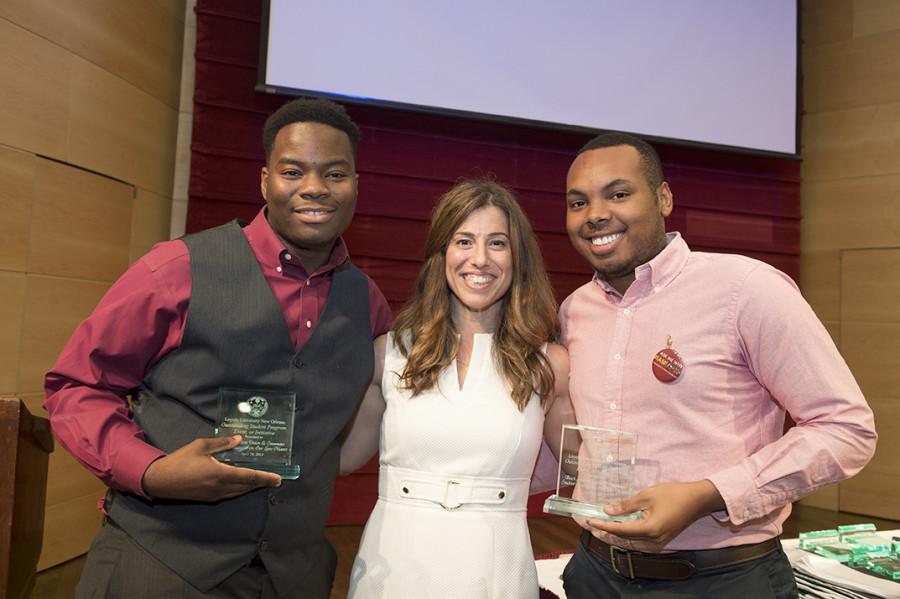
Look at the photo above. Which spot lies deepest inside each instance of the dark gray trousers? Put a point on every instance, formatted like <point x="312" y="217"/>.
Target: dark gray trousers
<point x="587" y="577"/>
<point x="117" y="567"/>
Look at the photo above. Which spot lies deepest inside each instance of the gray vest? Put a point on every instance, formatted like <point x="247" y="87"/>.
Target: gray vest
<point x="236" y="336"/>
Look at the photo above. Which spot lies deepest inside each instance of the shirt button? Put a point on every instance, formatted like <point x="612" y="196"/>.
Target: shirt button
<point x="657" y="289"/>
<point x="617" y="357"/>
<point x="626" y="312"/>
<point x="287" y="256"/>
<point x="277" y="269"/>
<point x="307" y="282"/>
<point x="308" y="324"/>
<point x="612" y="406"/>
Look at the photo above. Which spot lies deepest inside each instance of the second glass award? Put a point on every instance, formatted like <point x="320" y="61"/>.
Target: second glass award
<point x="598" y="472"/>
<point x="265" y="421"/>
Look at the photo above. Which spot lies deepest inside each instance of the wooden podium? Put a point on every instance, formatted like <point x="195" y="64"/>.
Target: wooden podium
<point x="25" y="445"/>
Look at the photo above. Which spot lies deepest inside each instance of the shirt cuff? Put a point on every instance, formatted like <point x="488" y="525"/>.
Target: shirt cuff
<point x="131" y="462"/>
<point x="738" y="490"/>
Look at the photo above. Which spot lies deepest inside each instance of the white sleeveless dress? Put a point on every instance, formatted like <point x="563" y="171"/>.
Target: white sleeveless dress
<point x="453" y="486"/>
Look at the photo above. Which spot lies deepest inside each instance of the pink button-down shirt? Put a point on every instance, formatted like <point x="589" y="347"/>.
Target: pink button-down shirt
<point x="752" y="348"/>
<point x="141" y="319"/>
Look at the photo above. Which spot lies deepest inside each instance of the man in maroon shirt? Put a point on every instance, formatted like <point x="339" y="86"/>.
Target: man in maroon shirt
<point x="169" y="525"/>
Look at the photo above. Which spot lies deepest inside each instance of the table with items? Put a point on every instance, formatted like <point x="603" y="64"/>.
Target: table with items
<point x="849" y="562"/>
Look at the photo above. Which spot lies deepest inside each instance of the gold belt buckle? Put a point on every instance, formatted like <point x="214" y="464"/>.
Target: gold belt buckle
<point x="612" y="560"/>
<point x="450" y="508"/>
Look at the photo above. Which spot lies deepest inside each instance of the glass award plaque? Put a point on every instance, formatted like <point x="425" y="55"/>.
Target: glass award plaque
<point x="265" y="421"/>
<point x="599" y="472"/>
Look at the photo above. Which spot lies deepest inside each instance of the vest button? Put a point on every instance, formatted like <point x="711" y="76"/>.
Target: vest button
<point x="273" y="499"/>
<point x="297" y="362"/>
<point x="263" y="545"/>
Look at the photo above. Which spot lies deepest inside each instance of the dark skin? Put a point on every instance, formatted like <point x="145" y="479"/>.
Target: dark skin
<point x="309" y="184"/>
<point x="616" y="221"/>
<point x="191" y="473"/>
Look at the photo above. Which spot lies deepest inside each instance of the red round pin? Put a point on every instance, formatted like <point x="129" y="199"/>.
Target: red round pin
<point x="667" y="364"/>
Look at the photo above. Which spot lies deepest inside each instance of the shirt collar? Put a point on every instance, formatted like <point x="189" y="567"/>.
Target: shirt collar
<point x="658" y="272"/>
<point x="270" y="251"/>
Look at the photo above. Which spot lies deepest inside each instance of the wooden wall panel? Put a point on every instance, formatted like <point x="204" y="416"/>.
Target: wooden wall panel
<point x="130" y="38"/>
<point x="90" y="95"/>
<point x="12" y="306"/>
<point x="851" y="189"/>
<point x="834" y="330"/>
<point x="870" y="341"/>
<point x="875" y="16"/>
<point x="855" y="212"/>
<point x="826" y="498"/>
<point x="60" y="105"/>
<point x="67" y="478"/>
<point x="53" y="308"/>
<point x="863" y="71"/>
<point x="175" y="10"/>
<point x="69" y="528"/>
<point x="860" y="142"/>
<point x="71" y="519"/>
<point x="820" y="281"/>
<point x="16" y="186"/>
<point x="872" y="493"/>
<point x="35" y="92"/>
<point x="71" y="479"/>
<point x="872" y="351"/>
<point x="150" y="221"/>
<point x="33" y="401"/>
<point x="80" y="224"/>
<point x="825" y="21"/>
<point x="119" y="130"/>
<point x="870" y="286"/>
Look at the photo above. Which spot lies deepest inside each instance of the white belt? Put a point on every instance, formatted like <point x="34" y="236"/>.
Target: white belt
<point x="453" y="492"/>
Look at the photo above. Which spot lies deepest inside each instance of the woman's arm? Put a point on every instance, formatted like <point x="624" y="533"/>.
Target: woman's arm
<point x="559" y="410"/>
<point x="361" y="437"/>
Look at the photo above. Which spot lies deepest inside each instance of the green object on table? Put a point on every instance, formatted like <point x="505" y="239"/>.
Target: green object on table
<point x="808" y="540"/>
<point x="882" y="564"/>
<point x="871" y="542"/>
<point x="841" y="552"/>
<point x="849" y="530"/>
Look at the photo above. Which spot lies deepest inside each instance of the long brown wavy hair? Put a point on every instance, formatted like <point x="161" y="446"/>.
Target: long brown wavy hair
<point x="528" y="316"/>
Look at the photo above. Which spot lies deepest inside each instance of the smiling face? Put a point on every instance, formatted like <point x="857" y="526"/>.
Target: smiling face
<point x="479" y="265"/>
<point x="613" y="217"/>
<point x="309" y="185"/>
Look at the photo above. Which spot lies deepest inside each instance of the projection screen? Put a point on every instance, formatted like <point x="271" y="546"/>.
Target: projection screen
<point x="710" y="72"/>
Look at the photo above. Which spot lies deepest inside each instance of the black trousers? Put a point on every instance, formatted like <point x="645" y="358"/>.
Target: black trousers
<point x="588" y="577"/>
<point x="117" y="567"/>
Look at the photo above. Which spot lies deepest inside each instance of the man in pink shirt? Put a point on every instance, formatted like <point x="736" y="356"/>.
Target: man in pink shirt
<point x="701" y="355"/>
<point x="273" y="308"/>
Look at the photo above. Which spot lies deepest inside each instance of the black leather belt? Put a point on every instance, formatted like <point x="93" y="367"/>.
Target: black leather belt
<point x="677" y="565"/>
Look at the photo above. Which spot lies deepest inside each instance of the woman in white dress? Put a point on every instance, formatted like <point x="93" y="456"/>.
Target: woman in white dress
<point x="465" y="386"/>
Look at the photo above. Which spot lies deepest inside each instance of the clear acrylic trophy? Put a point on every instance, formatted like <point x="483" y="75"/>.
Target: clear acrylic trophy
<point x="265" y="421"/>
<point x="599" y="472"/>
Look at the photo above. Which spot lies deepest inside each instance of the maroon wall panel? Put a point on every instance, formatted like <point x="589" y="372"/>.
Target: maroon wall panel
<point x="724" y="202"/>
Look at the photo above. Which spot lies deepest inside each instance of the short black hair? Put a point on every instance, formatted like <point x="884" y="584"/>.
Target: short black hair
<point x="309" y="110"/>
<point x="650" y="163"/>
